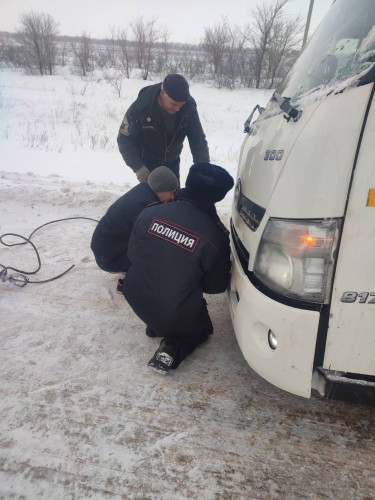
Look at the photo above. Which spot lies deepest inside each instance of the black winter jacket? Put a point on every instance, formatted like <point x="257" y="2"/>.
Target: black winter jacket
<point x="178" y="251"/>
<point x="143" y="139"/>
<point x="111" y="236"/>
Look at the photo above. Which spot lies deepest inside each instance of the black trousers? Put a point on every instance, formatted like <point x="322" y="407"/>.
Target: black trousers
<point x="187" y="343"/>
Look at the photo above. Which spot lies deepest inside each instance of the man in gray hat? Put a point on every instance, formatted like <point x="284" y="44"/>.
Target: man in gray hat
<point x="155" y="126"/>
<point x="111" y="236"/>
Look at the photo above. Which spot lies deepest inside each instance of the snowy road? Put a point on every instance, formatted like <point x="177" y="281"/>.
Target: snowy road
<point x="82" y="417"/>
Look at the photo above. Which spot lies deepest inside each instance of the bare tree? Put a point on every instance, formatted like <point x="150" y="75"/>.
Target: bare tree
<point x="125" y="53"/>
<point x="83" y="54"/>
<point x="234" y="55"/>
<point x="106" y="55"/>
<point x="165" y="48"/>
<point x="3" y="53"/>
<point x="115" y="79"/>
<point x="49" y="42"/>
<point x="139" y="32"/>
<point x="286" y="40"/>
<point x="190" y="63"/>
<point x="8" y="52"/>
<point x="146" y="35"/>
<point x="153" y="36"/>
<point x="37" y="37"/>
<point x="111" y="48"/>
<point x="214" y="43"/>
<point x="63" y="53"/>
<point x="224" y="45"/>
<point x="265" y="18"/>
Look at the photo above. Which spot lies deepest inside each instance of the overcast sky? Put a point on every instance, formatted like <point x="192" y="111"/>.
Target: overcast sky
<point x="184" y="19"/>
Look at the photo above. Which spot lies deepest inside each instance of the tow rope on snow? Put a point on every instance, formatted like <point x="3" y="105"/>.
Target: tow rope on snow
<point x="19" y="277"/>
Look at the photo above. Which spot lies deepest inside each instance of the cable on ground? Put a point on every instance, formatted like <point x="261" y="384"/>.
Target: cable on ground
<point x="20" y="277"/>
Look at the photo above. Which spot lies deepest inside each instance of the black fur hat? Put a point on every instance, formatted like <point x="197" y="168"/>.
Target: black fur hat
<point x="209" y="181"/>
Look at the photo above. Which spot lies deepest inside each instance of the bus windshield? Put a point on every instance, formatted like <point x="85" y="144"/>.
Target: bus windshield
<point x="340" y="52"/>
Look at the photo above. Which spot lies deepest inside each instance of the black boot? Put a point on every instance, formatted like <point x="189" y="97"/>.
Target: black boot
<point x="163" y="358"/>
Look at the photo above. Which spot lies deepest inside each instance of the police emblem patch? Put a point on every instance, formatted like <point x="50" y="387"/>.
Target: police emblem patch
<point x="175" y="235"/>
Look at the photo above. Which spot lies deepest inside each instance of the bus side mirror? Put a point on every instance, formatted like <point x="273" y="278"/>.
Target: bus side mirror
<point x="247" y="124"/>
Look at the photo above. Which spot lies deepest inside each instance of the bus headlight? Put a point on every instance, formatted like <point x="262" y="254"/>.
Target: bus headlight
<point x="295" y="258"/>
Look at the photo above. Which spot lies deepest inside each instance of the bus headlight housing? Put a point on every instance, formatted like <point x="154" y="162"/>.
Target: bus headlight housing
<point x="296" y="257"/>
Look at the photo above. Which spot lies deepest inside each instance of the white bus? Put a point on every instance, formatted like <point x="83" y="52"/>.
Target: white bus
<point x="302" y="291"/>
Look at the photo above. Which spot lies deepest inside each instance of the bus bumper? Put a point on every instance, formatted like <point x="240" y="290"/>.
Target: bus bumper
<point x="289" y="365"/>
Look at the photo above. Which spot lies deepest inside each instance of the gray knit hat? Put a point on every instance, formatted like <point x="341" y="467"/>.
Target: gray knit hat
<point x="162" y="180"/>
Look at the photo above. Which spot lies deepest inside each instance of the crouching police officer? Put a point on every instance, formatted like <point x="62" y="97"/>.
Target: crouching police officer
<point x="178" y="251"/>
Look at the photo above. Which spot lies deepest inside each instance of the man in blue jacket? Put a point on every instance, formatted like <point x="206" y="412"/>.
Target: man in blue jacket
<point x="178" y="251"/>
<point x="111" y="236"/>
<point x="155" y="126"/>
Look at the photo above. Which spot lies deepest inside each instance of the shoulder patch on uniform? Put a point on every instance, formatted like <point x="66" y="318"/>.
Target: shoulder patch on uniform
<point x="179" y="236"/>
<point x="124" y="129"/>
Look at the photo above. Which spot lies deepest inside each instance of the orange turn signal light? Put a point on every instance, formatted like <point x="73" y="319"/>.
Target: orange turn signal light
<point x="371" y="198"/>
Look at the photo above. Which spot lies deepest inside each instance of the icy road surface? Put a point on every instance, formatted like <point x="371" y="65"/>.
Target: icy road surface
<point x="82" y="417"/>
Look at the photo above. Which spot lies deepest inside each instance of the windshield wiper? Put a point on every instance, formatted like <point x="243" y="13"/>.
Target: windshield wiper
<point x="284" y="104"/>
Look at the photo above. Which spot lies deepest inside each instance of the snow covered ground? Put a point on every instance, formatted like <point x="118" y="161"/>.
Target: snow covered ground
<point x="82" y="417"/>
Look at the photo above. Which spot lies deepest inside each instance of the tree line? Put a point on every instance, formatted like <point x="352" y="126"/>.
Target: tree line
<point x="256" y="55"/>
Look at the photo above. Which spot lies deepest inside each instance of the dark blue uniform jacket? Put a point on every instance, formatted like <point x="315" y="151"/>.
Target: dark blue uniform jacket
<point x="178" y="251"/>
